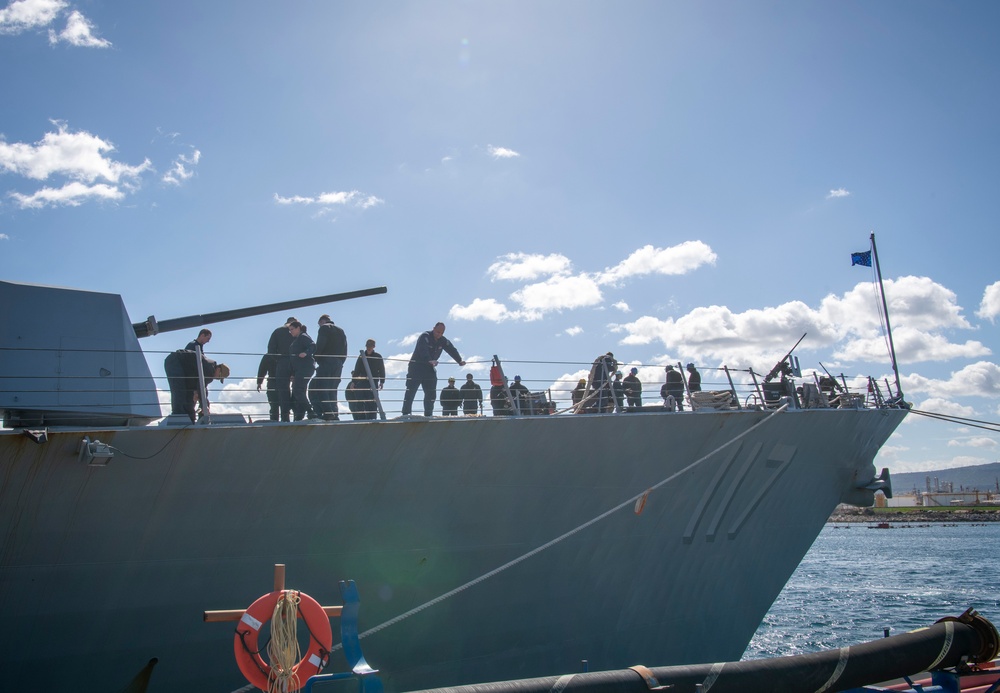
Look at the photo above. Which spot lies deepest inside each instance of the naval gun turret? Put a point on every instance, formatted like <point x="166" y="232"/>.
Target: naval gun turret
<point x="72" y="358"/>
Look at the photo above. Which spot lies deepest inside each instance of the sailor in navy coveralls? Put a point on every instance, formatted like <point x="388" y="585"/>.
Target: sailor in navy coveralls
<point x="421" y="371"/>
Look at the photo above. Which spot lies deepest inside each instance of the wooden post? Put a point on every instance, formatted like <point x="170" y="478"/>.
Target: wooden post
<point x="279" y="584"/>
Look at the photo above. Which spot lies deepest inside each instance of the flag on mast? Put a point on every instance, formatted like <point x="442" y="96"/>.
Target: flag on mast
<point x="864" y="259"/>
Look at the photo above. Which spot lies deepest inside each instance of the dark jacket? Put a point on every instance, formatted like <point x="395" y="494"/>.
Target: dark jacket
<point x="618" y="388"/>
<point x="633" y="386"/>
<point x="499" y="401"/>
<point x="267" y="367"/>
<point x="675" y="383"/>
<point x="521" y="396"/>
<point x="377" y="366"/>
<point x="304" y="366"/>
<point x="694" y="380"/>
<point x="278" y="344"/>
<point x="360" y="399"/>
<point x="472" y="397"/>
<point x="429" y="349"/>
<point x="331" y="341"/>
<point x="604" y="368"/>
<point x="184" y="364"/>
<point x="451" y="397"/>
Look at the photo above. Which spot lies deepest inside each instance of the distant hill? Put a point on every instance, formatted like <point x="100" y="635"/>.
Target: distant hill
<point x="982" y="477"/>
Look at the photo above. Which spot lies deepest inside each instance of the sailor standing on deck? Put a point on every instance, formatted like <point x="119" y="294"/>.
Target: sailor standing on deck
<point x="331" y="352"/>
<point x="694" y="378"/>
<point x="303" y="366"/>
<point x="633" y="388"/>
<point x="422" y="372"/>
<point x="375" y="364"/>
<point x="472" y="396"/>
<point x="451" y="397"/>
<point x="520" y="396"/>
<point x="277" y="346"/>
<point x="673" y="387"/>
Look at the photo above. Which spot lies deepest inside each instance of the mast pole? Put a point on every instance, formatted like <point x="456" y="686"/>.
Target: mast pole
<point x="885" y="311"/>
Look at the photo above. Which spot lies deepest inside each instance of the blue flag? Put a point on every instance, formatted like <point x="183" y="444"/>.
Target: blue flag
<point x="864" y="259"/>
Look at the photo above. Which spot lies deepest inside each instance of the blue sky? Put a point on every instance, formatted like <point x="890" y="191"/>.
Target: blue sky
<point x="671" y="181"/>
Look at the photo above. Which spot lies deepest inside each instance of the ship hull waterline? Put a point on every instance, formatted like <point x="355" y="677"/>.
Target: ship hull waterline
<point x="115" y="564"/>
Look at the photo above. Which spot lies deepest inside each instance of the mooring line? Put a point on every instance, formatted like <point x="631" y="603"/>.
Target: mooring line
<point x="562" y="537"/>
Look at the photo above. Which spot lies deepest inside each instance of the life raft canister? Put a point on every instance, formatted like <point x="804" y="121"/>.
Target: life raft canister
<point x="254" y="668"/>
<point x="495" y="377"/>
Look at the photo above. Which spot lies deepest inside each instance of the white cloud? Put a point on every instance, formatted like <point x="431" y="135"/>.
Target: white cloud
<point x="352" y="198"/>
<point x="4" y="237"/>
<point x="77" y="155"/>
<point x="945" y="407"/>
<point x="490" y="309"/>
<point x="559" y="293"/>
<point x="622" y="306"/>
<point x="396" y="364"/>
<point x="678" y="259"/>
<point x="564" y="291"/>
<point x="974" y="442"/>
<point x="181" y="169"/>
<point x="501" y="152"/>
<point x="980" y="379"/>
<point x="921" y="311"/>
<point x="526" y="267"/>
<point x="79" y="32"/>
<point x="573" y="331"/>
<point x="240" y="398"/>
<point x="22" y="15"/>
<point x="917" y="302"/>
<point x="408" y="341"/>
<point x="912" y="346"/>
<point x="81" y="157"/>
<point x="738" y="339"/>
<point x="989" y="307"/>
<point x="72" y="195"/>
<point x="838" y="192"/>
<point x="920" y="308"/>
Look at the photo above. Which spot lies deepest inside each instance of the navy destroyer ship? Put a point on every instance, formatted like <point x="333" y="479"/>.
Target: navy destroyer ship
<point x="484" y="548"/>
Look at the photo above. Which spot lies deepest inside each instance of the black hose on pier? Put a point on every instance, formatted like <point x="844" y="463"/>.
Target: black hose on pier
<point x="948" y="643"/>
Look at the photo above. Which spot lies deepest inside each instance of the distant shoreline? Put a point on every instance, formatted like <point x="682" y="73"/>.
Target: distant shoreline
<point x="850" y="514"/>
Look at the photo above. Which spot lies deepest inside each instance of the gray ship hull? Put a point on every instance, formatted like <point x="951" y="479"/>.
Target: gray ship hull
<point x="103" y="568"/>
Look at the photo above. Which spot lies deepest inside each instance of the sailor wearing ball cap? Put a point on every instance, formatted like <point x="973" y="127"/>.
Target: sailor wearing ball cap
<point x="674" y="387"/>
<point x="694" y="378"/>
<point x="451" y="397"/>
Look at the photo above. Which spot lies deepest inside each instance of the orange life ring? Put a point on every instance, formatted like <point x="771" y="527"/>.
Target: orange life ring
<point x="254" y="668"/>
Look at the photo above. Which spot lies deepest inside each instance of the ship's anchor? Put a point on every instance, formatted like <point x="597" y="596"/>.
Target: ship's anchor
<point x="283" y="607"/>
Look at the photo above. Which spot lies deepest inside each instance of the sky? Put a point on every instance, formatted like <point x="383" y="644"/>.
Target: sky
<point x="673" y="181"/>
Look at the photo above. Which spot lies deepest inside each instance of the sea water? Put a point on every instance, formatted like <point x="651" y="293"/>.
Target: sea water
<point x="856" y="581"/>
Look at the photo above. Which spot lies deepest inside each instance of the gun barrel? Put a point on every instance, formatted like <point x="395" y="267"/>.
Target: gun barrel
<point x="151" y="326"/>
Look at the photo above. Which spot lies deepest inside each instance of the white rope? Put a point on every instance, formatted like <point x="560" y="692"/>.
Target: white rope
<point x="561" y="537"/>
<point x="283" y="649"/>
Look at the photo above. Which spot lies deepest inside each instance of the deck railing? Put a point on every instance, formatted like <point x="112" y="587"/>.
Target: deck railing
<point x="62" y="384"/>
